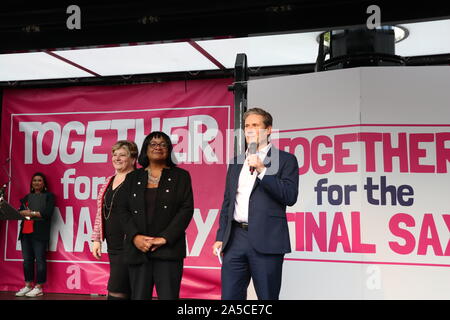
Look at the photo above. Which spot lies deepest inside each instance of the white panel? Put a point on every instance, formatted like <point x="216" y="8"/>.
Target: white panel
<point x="36" y="65"/>
<point x="303" y="93"/>
<point x="315" y="100"/>
<point x="155" y="58"/>
<point x="401" y="95"/>
<point x="313" y="280"/>
<point x="425" y="38"/>
<point x="261" y="51"/>
<point x="396" y="96"/>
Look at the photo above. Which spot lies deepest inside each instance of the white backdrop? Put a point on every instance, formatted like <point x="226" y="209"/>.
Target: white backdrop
<point x="385" y="134"/>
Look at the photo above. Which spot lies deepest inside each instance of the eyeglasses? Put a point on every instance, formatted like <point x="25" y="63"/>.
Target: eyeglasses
<point x="162" y="145"/>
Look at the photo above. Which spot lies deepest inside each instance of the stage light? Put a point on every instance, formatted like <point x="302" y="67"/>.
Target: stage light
<point x="359" y="46"/>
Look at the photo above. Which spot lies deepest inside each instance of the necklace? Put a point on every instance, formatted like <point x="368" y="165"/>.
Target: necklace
<point x="109" y="208"/>
<point x="152" y="179"/>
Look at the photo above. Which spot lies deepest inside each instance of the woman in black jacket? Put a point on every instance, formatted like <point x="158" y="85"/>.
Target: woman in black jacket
<point x="35" y="234"/>
<point x="156" y="204"/>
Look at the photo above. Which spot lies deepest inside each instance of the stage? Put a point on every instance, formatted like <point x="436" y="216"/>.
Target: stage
<point x="10" y="295"/>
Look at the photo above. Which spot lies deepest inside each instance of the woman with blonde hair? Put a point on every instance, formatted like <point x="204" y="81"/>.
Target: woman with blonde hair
<point x="107" y="222"/>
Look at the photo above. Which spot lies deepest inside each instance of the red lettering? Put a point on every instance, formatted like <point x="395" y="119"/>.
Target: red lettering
<point x="415" y="153"/>
<point x="390" y="152"/>
<point x="369" y="139"/>
<point x="428" y="226"/>
<point x="318" y="231"/>
<point x="299" y="219"/>
<point x="447" y="223"/>
<point x="325" y="153"/>
<point x="408" y="237"/>
<point x="304" y="143"/>
<point x="442" y="153"/>
<point x="357" y="246"/>
<point x="340" y="153"/>
<point x="335" y="238"/>
<point x="327" y="157"/>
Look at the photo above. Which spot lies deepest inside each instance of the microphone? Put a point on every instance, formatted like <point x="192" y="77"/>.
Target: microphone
<point x="252" y="147"/>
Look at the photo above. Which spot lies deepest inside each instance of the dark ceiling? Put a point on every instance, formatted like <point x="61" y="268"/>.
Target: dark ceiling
<point x="31" y="25"/>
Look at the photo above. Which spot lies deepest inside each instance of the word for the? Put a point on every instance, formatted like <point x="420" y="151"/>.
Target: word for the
<point x="376" y="193"/>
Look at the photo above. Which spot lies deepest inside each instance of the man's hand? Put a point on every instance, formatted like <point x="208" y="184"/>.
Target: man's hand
<point x="217" y="247"/>
<point x="254" y="161"/>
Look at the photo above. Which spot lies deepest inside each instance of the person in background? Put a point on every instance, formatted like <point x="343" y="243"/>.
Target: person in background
<point x="253" y="232"/>
<point x="37" y="209"/>
<point x="156" y="203"/>
<point x="107" y="221"/>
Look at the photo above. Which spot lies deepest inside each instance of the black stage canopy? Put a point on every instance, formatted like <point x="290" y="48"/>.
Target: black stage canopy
<point x="35" y="25"/>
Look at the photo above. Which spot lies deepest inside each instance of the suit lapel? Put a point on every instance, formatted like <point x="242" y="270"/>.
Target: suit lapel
<point x="268" y="159"/>
<point x="235" y="172"/>
<point x="255" y="184"/>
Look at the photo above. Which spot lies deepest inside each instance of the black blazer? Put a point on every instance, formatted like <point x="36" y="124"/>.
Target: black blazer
<point x="173" y="212"/>
<point x="41" y="227"/>
<point x="268" y="231"/>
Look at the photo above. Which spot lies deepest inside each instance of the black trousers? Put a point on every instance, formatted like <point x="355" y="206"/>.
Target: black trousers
<point x="119" y="279"/>
<point x="34" y="252"/>
<point x="165" y="275"/>
<point x="241" y="262"/>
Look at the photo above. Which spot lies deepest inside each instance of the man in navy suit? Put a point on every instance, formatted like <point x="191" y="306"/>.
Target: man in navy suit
<point x="253" y="232"/>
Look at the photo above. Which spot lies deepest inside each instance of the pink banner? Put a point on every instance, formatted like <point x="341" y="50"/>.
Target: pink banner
<point x="67" y="134"/>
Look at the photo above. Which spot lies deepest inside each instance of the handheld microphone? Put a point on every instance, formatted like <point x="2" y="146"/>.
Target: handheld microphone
<point x="252" y="147"/>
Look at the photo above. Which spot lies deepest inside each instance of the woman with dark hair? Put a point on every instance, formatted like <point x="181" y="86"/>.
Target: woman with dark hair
<point x="107" y="223"/>
<point x="37" y="209"/>
<point x="156" y="203"/>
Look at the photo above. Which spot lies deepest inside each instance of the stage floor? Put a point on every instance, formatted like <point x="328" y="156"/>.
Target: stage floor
<point x="10" y="295"/>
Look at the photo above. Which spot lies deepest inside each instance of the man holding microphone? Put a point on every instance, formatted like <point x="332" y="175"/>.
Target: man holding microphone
<point x="253" y="233"/>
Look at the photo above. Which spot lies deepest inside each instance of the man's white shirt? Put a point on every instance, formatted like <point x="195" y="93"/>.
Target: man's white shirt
<point x="245" y="186"/>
